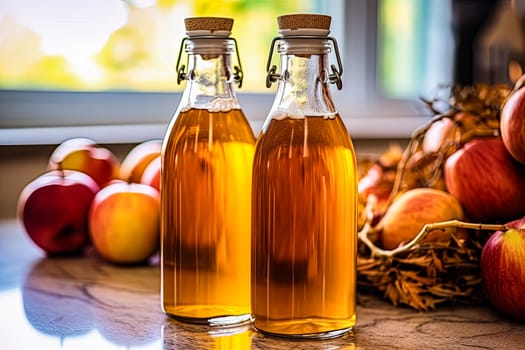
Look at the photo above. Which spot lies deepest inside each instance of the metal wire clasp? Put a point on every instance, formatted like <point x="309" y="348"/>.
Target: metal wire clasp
<point x="334" y="76"/>
<point x="238" y="74"/>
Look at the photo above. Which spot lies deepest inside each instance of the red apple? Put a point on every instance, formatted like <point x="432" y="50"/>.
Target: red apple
<point x="371" y="182"/>
<point x="53" y="209"/>
<point x="151" y="175"/>
<point x="512" y="125"/>
<point x="441" y="132"/>
<point x="136" y="161"/>
<point x="519" y="223"/>
<point x="487" y="181"/>
<point x="448" y="131"/>
<point x="86" y="155"/>
<point x="124" y="222"/>
<point x="503" y="271"/>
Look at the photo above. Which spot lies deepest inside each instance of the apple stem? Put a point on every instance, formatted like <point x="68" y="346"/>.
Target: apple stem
<point x="60" y="170"/>
<point x="367" y="229"/>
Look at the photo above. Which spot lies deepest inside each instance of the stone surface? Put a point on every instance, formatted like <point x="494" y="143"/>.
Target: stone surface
<point x="83" y="302"/>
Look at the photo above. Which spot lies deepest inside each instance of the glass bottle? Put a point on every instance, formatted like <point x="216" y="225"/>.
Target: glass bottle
<point x="205" y="188"/>
<point x="304" y="194"/>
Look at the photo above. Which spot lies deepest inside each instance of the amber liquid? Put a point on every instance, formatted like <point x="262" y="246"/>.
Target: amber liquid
<point x="304" y="228"/>
<point x="205" y="217"/>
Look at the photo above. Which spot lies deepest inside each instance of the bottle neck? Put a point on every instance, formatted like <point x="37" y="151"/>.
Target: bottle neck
<point x="303" y="86"/>
<point x="209" y="77"/>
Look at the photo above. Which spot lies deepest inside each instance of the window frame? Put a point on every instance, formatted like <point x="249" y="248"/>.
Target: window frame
<point x="49" y="117"/>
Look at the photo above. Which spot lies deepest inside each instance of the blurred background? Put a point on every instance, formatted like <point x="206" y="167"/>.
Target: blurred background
<point x="116" y="59"/>
<point x="105" y="69"/>
<point x="133" y="44"/>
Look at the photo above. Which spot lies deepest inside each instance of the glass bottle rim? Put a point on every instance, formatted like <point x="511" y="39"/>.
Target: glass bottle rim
<point x="303" y="45"/>
<point x="209" y="45"/>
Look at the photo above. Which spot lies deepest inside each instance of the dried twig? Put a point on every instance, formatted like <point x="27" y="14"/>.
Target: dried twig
<point x="425" y="231"/>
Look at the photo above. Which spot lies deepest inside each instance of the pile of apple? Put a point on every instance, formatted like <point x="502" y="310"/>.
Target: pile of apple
<point x="466" y="168"/>
<point x="88" y="198"/>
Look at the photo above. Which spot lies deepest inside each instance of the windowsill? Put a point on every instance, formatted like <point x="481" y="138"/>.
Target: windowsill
<point x="40" y="118"/>
<point x="359" y="128"/>
<point x="131" y="133"/>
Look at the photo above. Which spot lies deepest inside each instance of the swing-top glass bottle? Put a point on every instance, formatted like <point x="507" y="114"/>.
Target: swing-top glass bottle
<point x="206" y="185"/>
<point x="304" y="202"/>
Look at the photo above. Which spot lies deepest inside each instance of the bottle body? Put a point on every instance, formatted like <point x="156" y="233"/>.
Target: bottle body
<point x="206" y="200"/>
<point x="304" y="206"/>
<point x="206" y="245"/>
<point x="304" y="279"/>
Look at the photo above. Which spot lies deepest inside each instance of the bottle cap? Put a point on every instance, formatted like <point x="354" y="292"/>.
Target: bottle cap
<point x="304" y="24"/>
<point x="215" y="26"/>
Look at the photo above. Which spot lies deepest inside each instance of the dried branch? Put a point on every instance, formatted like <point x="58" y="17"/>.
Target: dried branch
<point x="425" y="231"/>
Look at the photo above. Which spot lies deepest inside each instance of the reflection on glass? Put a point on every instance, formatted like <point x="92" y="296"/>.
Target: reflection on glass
<point x="263" y="342"/>
<point x="177" y="335"/>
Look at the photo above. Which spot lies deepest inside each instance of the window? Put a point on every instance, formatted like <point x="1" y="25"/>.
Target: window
<point x="414" y="37"/>
<point x="117" y="45"/>
<point x="109" y="64"/>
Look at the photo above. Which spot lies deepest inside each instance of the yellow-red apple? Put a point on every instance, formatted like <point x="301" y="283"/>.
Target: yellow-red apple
<point x="136" y="161"/>
<point x="503" y="270"/>
<point x="413" y="209"/>
<point x="124" y="222"/>
<point x="86" y="155"/>
<point x="54" y="208"/>
<point x="151" y="175"/>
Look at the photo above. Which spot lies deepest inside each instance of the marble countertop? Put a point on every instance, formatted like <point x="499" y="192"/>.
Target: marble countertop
<point x="85" y="303"/>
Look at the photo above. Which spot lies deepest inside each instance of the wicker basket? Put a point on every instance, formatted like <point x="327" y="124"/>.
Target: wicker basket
<point x="423" y="274"/>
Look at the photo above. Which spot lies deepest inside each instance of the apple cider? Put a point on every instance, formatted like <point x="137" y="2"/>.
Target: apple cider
<point x="206" y="206"/>
<point x="304" y="227"/>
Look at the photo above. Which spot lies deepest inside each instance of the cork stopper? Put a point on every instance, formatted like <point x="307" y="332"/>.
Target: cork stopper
<point x="303" y="21"/>
<point x="217" y="26"/>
